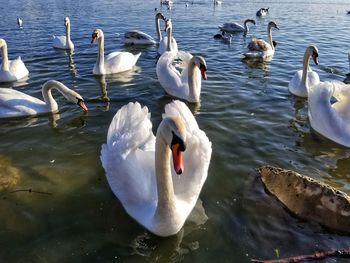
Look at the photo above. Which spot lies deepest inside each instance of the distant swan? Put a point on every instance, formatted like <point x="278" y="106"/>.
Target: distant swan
<point x="19" y="22"/>
<point x="64" y="42"/>
<point x="11" y="70"/>
<point x="235" y="27"/>
<point x="143" y="171"/>
<point x="164" y="43"/>
<point x="306" y="77"/>
<point x="136" y="37"/>
<point x="187" y="84"/>
<point x="330" y="120"/>
<point x="259" y="48"/>
<point x="14" y="103"/>
<point x="114" y="62"/>
<point x="262" y="12"/>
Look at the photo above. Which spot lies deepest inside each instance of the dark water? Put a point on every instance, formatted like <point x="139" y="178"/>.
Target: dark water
<point x="246" y="111"/>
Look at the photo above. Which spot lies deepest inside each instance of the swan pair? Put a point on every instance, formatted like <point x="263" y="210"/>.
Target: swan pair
<point x="136" y="37"/>
<point x="114" y="62"/>
<point x="64" y="42"/>
<point x="11" y="70"/>
<point x="157" y="178"/>
<point x="259" y="48"/>
<point x="235" y="27"/>
<point x="330" y="120"/>
<point x="14" y="103"/>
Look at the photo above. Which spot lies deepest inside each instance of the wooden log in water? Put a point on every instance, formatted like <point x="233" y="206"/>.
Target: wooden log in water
<point x="308" y="198"/>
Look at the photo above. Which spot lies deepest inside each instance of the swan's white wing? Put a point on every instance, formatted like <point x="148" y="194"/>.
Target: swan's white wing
<point x="18" y="69"/>
<point x="341" y="92"/>
<point x="116" y="62"/>
<point x="138" y="38"/>
<point x="232" y="27"/>
<point x="128" y="159"/>
<point x="296" y="86"/>
<point x="59" y="41"/>
<point x="196" y="156"/>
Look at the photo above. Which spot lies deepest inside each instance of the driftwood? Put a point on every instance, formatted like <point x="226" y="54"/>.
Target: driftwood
<point x="308" y="198"/>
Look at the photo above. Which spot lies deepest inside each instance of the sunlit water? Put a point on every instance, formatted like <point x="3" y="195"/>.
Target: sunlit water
<point x="246" y="111"/>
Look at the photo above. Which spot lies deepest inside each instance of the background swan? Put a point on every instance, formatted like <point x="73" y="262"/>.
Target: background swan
<point x="139" y="169"/>
<point x="187" y="84"/>
<point x="330" y="120"/>
<point x="114" y="62"/>
<point x="259" y="48"/>
<point x="164" y="43"/>
<point x="262" y="12"/>
<point x="14" y="103"/>
<point x="235" y="27"/>
<point x="64" y="42"/>
<point x="136" y="37"/>
<point x="11" y="70"/>
<point x="19" y="22"/>
<point x="306" y="77"/>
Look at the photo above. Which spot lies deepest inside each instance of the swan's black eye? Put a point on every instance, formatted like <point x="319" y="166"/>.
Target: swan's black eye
<point x="177" y="140"/>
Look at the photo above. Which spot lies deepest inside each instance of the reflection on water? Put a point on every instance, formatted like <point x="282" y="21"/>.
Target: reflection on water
<point x="71" y="64"/>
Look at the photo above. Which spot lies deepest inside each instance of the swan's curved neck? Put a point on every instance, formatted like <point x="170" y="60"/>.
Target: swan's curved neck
<point x="165" y="190"/>
<point x="5" y="59"/>
<point x="305" y="68"/>
<point x="170" y="32"/>
<point x="159" y="34"/>
<point x="194" y="84"/>
<point x="100" y="61"/>
<point x="47" y="95"/>
<point x="67" y="34"/>
<point x="245" y="26"/>
<point x="269" y="33"/>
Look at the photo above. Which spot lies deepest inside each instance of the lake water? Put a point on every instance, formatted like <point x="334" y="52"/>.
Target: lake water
<point x="246" y="111"/>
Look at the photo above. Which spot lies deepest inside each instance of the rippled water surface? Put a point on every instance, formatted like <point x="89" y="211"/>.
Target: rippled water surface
<point x="246" y="110"/>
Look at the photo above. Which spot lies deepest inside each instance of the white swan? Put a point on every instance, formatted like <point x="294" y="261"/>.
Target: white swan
<point x="330" y="120"/>
<point x="19" y="22"/>
<point x="11" y="70"/>
<point x="235" y="27"/>
<point x="187" y="84"/>
<point x="259" y="48"/>
<point x="262" y="12"/>
<point x="114" y="62"/>
<point x="14" y="103"/>
<point x="306" y="77"/>
<point x="164" y="43"/>
<point x="139" y="169"/>
<point x="136" y="37"/>
<point x="217" y="2"/>
<point x="64" y="42"/>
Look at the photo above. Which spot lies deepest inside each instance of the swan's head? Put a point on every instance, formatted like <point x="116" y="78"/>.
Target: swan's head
<point x="66" y="21"/>
<point x="168" y="25"/>
<point x="160" y="16"/>
<point x="2" y="42"/>
<point x="201" y="64"/>
<point x="98" y="33"/>
<point x="75" y="98"/>
<point x="312" y="51"/>
<point x="173" y="130"/>
<point x="272" y="25"/>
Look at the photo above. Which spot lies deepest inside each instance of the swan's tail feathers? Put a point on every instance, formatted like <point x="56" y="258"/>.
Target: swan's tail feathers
<point x="179" y="108"/>
<point x="130" y="129"/>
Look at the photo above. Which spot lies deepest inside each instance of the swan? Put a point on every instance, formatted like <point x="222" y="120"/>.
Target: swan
<point x="258" y="48"/>
<point x="164" y="43"/>
<point x="114" y="62"/>
<point x="19" y="22"/>
<point x="217" y="2"/>
<point x="305" y="77"/>
<point x="64" y="42"/>
<point x="330" y="120"/>
<point x="136" y="37"/>
<point x="139" y="169"/>
<point x="14" y="103"/>
<point x="235" y="27"/>
<point x="11" y="70"/>
<point x="223" y="36"/>
<point x="262" y="12"/>
<point x="187" y="84"/>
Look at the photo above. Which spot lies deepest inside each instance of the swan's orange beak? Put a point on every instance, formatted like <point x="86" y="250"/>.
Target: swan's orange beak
<point x="177" y="158"/>
<point x="82" y="105"/>
<point x="203" y="72"/>
<point x="315" y="58"/>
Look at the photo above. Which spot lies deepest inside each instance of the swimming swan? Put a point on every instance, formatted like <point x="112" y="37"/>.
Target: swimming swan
<point x="14" y="103"/>
<point x="259" y="48"/>
<point x="64" y="42"/>
<point x="187" y="84"/>
<point x="114" y="62"/>
<point x="157" y="192"/>
<point x="164" y="43"/>
<point x="235" y="27"/>
<point x="136" y="37"/>
<point x="262" y="12"/>
<point x="305" y="77"/>
<point x="330" y="120"/>
<point x="11" y="70"/>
